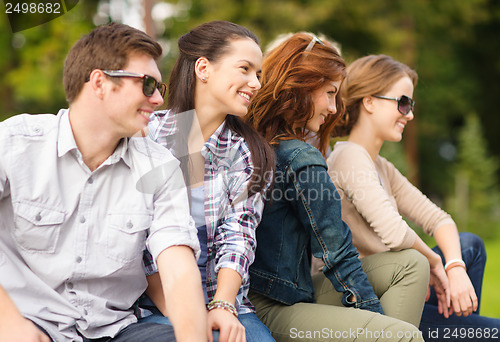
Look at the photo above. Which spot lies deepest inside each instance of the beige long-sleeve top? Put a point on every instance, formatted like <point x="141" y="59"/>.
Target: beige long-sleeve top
<point x="375" y="198"/>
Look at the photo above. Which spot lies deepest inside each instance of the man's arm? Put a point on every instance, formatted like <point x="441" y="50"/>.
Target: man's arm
<point x="13" y="326"/>
<point x="184" y="300"/>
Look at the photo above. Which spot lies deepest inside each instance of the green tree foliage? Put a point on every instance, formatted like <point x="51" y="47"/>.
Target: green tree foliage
<point x="477" y="194"/>
<point x="32" y="61"/>
<point x="452" y="44"/>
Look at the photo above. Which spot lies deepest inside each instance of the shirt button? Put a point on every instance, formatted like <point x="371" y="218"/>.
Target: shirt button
<point x="38" y="217"/>
<point x="78" y="260"/>
<point x="130" y="224"/>
<point x="82" y="219"/>
<point x="69" y="285"/>
<point x="90" y="180"/>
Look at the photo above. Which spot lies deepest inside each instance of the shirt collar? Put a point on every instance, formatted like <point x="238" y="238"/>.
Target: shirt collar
<point x="121" y="152"/>
<point x="218" y="140"/>
<point x="66" y="141"/>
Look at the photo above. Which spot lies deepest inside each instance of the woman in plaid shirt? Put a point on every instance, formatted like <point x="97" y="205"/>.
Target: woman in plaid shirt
<point x="227" y="167"/>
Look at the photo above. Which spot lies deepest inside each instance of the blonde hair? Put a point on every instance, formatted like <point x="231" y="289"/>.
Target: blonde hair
<point x="367" y="76"/>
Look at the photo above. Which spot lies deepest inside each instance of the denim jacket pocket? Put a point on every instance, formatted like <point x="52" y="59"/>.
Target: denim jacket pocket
<point x="126" y="235"/>
<point x="37" y="228"/>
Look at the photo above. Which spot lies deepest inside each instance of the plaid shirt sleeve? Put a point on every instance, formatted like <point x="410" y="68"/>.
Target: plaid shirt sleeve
<point x="162" y="127"/>
<point x="235" y="240"/>
<point x="149" y="265"/>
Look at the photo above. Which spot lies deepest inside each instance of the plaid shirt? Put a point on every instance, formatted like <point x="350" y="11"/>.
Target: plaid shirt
<point x="231" y="217"/>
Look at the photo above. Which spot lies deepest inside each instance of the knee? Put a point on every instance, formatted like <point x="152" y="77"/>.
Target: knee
<point x="393" y="329"/>
<point x="416" y="261"/>
<point x="413" y="265"/>
<point x="470" y="240"/>
<point x="473" y="250"/>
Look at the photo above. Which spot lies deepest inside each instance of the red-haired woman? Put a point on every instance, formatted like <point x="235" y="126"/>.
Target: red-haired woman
<point x="300" y="94"/>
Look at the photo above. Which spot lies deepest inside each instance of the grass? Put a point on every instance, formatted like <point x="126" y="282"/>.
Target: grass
<point x="490" y="301"/>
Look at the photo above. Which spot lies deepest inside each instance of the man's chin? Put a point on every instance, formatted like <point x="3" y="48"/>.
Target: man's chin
<point x="141" y="132"/>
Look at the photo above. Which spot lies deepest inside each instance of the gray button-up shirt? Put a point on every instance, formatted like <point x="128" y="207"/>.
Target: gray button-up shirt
<point x="71" y="240"/>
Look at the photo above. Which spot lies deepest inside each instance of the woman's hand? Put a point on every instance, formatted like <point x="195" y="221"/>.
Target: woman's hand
<point x="230" y="328"/>
<point x="463" y="297"/>
<point x="439" y="281"/>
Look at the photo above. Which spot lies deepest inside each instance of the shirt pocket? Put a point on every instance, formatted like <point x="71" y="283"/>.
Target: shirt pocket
<point x="37" y="228"/>
<point x="126" y="236"/>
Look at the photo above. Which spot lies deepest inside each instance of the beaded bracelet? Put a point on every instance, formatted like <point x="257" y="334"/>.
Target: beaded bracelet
<point x="222" y="304"/>
<point x="454" y="263"/>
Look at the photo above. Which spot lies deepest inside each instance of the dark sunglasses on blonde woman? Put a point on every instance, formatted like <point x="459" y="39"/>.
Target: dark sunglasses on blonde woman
<point x="405" y="103"/>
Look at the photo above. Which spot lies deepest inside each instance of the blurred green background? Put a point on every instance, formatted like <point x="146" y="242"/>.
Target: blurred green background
<point x="451" y="150"/>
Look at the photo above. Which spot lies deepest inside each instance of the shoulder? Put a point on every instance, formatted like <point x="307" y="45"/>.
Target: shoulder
<point x="161" y="121"/>
<point x="230" y="148"/>
<point x="29" y="125"/>
<point x="384" y="163"/>
<point x="298" y="154"/>
<point x="346" y="154"/>
<point x="386" y="167"/>
<point x="345" y="151"/>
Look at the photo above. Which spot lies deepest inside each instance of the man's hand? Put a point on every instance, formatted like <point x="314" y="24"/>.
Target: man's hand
<point x="230" y="328"/>
<point x="13" y="326"/>
<point x="20" y="329"/>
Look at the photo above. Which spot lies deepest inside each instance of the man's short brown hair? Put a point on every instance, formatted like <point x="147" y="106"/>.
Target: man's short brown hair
<point x="107" y="47"/>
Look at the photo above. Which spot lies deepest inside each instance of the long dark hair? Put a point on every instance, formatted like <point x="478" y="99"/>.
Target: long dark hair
<point x="290" y="73"/>
<point x="212" y="40"/>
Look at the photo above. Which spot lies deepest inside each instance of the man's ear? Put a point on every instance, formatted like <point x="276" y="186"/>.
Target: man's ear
<point x="201" y="69"/>
<point x="368" y="104"/>
<point x="97" y="81"/>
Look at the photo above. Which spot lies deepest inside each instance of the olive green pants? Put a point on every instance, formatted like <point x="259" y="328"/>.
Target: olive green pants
<point x="400" y="280"/>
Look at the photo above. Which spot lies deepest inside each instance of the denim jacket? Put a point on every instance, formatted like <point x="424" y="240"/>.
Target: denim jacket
<point x="302" y="216"/>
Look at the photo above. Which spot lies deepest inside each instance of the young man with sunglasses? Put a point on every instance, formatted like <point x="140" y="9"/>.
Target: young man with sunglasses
<point x="75" y="215"/>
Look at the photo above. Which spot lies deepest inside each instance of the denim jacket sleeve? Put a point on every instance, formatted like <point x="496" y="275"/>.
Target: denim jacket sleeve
<point x="318" y="207"/>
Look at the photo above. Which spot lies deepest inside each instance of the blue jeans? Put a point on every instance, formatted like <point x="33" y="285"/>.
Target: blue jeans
<point x="471" y="328"/>
<point x="255" y="330"/>
<point x="137" y="332"/>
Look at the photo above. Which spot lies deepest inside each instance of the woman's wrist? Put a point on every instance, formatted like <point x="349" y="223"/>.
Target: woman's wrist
<point x="222" y="304"/>
<point x="454" y="263"/>
<point x="435" y="260"/>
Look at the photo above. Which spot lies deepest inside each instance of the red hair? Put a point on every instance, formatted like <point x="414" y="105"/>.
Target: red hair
<point x="290" y="74"/>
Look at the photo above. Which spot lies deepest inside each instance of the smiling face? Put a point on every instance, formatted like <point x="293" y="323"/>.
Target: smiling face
<point x="128" y="108"/>
<point x="324" y="104"/>
<point x="233" y="80"/>
<point x="387" y="121"/>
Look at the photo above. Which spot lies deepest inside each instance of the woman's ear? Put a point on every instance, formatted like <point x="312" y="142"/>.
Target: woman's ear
<point x="201" y="69"/>
<point x="368" y="104"/>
